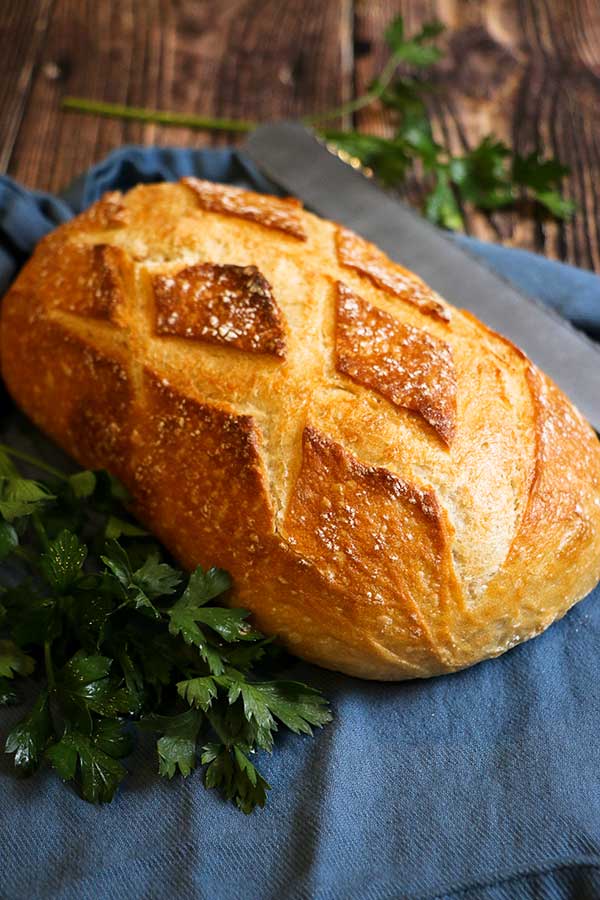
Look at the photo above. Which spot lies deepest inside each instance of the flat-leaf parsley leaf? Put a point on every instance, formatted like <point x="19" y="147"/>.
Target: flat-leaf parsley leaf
<point x="119" y="640"/>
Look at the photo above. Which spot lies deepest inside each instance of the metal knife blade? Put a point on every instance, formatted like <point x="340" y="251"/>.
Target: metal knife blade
<point x="291" y="157"/>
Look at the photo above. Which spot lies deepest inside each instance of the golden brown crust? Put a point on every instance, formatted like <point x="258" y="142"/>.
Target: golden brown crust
<point x="356" y="253"/>
<point x="92" y="423"/>
<point x="408" y="366"/>
<point x="272" y="212"/>
<point x="307" y="467"/>
<point x="88" y="280"/>
<point x="553" y="559"/>
<point x="107" y="213"/>
<point x="363" y="525"/>
<point x="229" y="305"/>
<point x="175" y="431"/>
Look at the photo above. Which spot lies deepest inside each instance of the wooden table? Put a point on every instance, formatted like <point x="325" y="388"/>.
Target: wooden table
<point x="528" y="70"/>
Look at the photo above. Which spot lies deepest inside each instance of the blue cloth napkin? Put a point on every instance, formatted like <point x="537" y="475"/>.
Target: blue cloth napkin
<point x="484" y="785"/>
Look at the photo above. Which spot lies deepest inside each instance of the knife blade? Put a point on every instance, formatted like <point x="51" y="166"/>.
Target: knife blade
<point x="292" y="157"/>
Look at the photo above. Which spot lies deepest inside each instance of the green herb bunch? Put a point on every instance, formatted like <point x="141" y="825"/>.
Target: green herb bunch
<point x="488" y="177"/>
<point x="115" y="639"/>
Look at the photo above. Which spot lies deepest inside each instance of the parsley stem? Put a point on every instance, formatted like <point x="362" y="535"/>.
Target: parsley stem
<point x="40" y="530"/>
<point x="49" y="667"/>
<point x="221" y="733"/>
<point x="33" y="461"/>
<point x="158" y="116"/>
<point x="358" y="103"/>
<point x="209" y="123"/>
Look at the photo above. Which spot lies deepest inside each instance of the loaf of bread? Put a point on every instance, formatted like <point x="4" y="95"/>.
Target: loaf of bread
<point x="396" y="490"/>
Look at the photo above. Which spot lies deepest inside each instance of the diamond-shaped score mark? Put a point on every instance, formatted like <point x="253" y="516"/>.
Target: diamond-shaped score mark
<point x="220" y="304"/>
<point x="365" y="258"/>
<point x="406" y="365"/>
<point x="88" y="280"/>
<point x="280" y="213"/>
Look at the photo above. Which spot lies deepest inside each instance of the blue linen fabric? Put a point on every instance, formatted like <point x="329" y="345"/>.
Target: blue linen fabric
<point x="484" y="785"/>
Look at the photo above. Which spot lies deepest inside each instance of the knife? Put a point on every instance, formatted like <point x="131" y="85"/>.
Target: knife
<point x="293" y="159"/>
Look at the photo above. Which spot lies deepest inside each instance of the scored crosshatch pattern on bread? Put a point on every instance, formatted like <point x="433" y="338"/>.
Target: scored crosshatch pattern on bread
<point x="229" y="305"/>
<point x="405" y="364"/>
<point x="394" y="488"/>
<point x="283" y="214"/>
<point x="356" y="253"/>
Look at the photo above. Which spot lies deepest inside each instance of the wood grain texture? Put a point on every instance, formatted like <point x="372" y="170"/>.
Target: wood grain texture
<point x="237" y="58"/>
<point x="23" y="27"/>
<point x="526" y="70"/>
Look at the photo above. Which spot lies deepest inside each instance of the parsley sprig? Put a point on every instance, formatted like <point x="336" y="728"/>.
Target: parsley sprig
<point x="488" y="177"/>
<point x="113" y="639"/>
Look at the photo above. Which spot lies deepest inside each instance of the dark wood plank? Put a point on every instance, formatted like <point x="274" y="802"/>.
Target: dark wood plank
<point x="23" y="27"/>
<point x="239" y="58"/>
<point x="526" y="70"/>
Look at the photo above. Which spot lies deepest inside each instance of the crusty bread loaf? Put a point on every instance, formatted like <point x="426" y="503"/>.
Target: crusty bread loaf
<point x="396" y="490"/>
